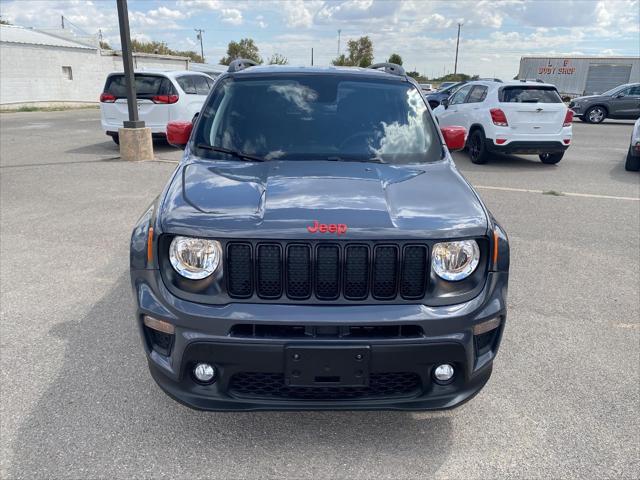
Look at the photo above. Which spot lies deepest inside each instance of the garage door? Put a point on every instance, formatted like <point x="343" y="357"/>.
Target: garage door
<point x="602" y="77"/>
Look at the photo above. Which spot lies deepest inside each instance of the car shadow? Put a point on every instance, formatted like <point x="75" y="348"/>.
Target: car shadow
<point x="103" y="416"/>
<point x="501" y="161"/>
<point x="620" y="174"/>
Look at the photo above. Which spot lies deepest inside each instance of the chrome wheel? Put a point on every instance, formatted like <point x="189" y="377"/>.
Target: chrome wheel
<point x="596" y="115"/>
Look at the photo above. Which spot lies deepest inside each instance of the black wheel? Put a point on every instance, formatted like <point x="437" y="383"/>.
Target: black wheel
<point x="551" y="158"/>
<point x="633" y="163"/>
<point x="595" y="114"/>
<point x="116" y="139"/>
<point x="477" y="147"/>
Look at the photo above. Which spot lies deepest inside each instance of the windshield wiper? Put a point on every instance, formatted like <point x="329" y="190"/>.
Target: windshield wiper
<point x="228" y="151"/>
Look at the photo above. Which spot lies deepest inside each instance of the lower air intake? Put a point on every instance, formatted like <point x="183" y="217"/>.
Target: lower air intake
<point x="272" y="385"/>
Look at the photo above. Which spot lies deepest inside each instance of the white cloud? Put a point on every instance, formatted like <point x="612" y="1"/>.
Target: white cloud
<point x="164" y="12"/>
<point x="232" y="16"/>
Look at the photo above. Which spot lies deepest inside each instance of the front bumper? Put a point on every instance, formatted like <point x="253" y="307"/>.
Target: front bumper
<point x="399" y="368"/>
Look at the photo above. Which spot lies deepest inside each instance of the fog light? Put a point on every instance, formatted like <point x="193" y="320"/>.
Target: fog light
<point x="204" y="373"/>
<point x="443" y="373"/>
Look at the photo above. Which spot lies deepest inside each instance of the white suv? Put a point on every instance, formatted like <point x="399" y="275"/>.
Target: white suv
<point x="162" y="97"/>
<point x="509" y="117"/>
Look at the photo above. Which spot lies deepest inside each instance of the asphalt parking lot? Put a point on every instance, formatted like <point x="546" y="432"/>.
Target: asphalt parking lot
<point x="77" y="401"/>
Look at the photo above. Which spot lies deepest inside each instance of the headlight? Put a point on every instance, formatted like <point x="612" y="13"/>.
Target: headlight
<point x="455" y="261"/>
<point x="195" y="258"/>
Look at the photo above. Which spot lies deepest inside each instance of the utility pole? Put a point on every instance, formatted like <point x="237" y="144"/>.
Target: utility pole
<point x="312" y="56"/>
<point x="339" y="42"/>
<point x="62" y="21"/>
<point x="455" y="67"/>
<point x="199" y="37"/>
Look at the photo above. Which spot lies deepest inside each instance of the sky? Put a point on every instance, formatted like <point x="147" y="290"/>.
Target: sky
<point x="494" y="34"/>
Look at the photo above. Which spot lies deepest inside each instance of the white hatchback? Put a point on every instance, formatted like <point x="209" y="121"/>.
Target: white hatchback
<point x="511" y="118"/>
<point x="161" y="96"/>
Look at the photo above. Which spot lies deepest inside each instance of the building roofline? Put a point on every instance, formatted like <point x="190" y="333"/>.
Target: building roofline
<point x="118" y="53"/>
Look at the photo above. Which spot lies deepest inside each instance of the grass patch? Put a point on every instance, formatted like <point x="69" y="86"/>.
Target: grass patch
<point x="47" y="109"/>
<point x="554" y="193"/>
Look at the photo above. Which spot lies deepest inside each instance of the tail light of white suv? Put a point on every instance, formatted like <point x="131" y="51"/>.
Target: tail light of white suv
<point x="498" y="117"/>
<point x="568" y="118"/>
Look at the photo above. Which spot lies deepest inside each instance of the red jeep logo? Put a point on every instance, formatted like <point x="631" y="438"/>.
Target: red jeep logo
<point x="338" y="228"/>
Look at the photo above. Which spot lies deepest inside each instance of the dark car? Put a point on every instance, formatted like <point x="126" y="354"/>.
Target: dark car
<point x="316" y="248"/>
<point x="621" y="102"/>
<point x="436" y="98"/>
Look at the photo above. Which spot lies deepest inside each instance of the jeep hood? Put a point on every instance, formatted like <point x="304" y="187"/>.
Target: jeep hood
<point x="279" y="199"/>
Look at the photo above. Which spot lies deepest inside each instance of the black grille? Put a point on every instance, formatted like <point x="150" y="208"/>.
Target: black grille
<point x="356" y="272"/>
<point x="299" y="272"/>
<point x="269" y="271"/>
<point x="326" y="271"/>
<point x="414" y="271"/>
<point x="257" y="330"/>
<point x="385" y="265"/>
<point x="240" y="268"/>
<point x="272" y="385"/>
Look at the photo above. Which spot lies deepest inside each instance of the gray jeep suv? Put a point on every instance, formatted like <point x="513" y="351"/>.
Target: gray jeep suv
<point x="316" y="248"/>
<point x="621" y="102"/>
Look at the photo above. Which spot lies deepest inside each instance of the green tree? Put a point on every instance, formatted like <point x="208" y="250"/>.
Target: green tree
<point x="4" y="22"/>
<point x="245" y="48"/>
<point x="360" y="53"/>
<point x="395" y="58"/>
<point x="277" y="59"/>
<point x="417" y="76"/>
<point x="341" y="61"/>
<point x="104" y="45"/>
<point x="161" y="48"/>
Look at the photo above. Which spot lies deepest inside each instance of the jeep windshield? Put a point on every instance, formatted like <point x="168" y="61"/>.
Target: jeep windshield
<point x="317" y="117"/>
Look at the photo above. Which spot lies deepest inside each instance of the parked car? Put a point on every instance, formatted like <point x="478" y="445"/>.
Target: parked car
<point x="161" y="96"/>
<point x="444" y="85"/>
<point x="426" y="87"/>
<point x="621" y="102"/>
<point x="305" y="255"/>
<point x="513" y="117"/>
<point x="633" y="155"/>
<point x="436" y="98"/>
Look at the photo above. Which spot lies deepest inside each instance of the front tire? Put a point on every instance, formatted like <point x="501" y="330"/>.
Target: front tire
<point x="477" y="147"/>
<point x="116" y="139"/>
<point x="551" y="158"/>
<point x="595" y="114"/>
<point x="633" y="163"/>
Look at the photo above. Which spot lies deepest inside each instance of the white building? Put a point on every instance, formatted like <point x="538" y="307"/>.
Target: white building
<point x="580" y="75"/>
<point x="45" y="69"/>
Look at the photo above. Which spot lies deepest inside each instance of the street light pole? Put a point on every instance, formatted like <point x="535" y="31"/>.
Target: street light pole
<point x="455" y="67"/>
<point x="200" y="32"/>
<point x="127" y="60"/>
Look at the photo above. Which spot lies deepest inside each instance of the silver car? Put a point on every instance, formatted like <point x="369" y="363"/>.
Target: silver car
<point x="633" y="156"/>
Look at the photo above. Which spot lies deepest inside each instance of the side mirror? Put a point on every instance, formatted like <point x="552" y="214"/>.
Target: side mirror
<point x="445" y="103"/>
<point x="619" y="95"/>
<point x="178" y="133"/>
<point x="454" y="137"/>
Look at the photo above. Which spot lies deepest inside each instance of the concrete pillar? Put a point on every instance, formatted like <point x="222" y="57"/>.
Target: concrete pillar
<point x="135" y="144"/>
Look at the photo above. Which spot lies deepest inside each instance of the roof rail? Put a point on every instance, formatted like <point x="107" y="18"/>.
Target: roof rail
<point x="392" y="68"/>
<point x="491" y="80"/>
<point x="240" y="64"/>
<point x="537" y="80"/>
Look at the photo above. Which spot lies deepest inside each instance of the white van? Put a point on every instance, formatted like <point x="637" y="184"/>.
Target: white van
<point x="162" y="97"/>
